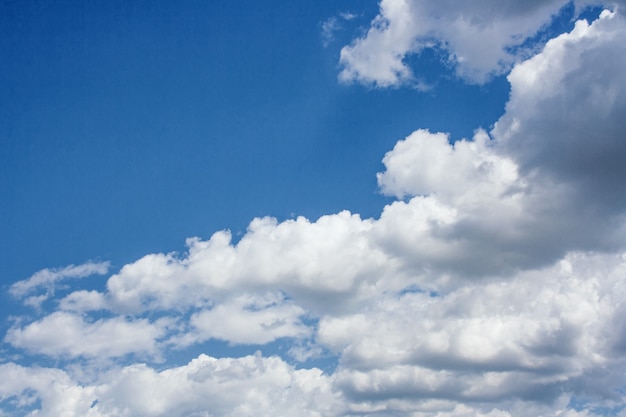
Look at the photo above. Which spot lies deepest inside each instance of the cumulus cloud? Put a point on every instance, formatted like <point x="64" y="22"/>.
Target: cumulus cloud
<point x="250" y="385"/>
<point x="316" y="263"/>
<point x="493" y="286"/>
<point x="249" y="319"/>
<point x="549" y="180"/>
<point x="66" y="334"/>
<point x="525" y="338"/>
<point x="59" y="395"/>
<point x="564" y="116"/>
<point x="425" y="163"/>
<point x="207" y="386"/>
<point x="479" y="38"/>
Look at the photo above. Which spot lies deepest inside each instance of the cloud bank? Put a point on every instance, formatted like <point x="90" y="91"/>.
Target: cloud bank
<point x="492" y="286"/>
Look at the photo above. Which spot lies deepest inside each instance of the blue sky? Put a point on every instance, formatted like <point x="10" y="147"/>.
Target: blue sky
<point x="432" y="177"/>
<point x="129" y="128"/>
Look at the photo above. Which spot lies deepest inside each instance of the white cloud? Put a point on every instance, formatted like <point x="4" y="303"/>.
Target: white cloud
<point x="466" y="173"/>
<point x="478" y="37"/>
<point x="316" y="263"/>
<point x="564" y="116"/>
<point x="48" y="278"/>
<point x="550" y="181"/>
<point x="525" y="338"/>
<point x="250" y="319"/>
<point x="83" y="301"/>
<point x="377" y="58"/>
<point x="250" y="385"/>
<point x="63" y="334"/>
<point x="207" y="386"/>
<point x="58" y="393"/>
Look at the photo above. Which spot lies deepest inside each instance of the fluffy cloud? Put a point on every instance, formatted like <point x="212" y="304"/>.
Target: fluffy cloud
<point x="22" y="387"/>
<point x="66" y="334"/>
<point x="525" y="338"/>
<point x="426" y="163"/>
<point x="317" y="263"/>
<point x="250" y="320"/>
<point x="549" y="181"/>
<point x="83" y="301"/>
<point x="492" y="287"/>
<point x="250" y="385"/>
<point x="564" y="116"/>
<point x="207" y="386"/>
<point x="479" y="38"/>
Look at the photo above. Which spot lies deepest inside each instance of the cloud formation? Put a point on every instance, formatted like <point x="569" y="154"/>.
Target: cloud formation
<point x="572" y="93"/>
<point x="47" y="279"/>
<point x="207" y="386"/>
<point x="66" y="334"/>
<point x="479" y="39"/>
<point x="492" y="286"/>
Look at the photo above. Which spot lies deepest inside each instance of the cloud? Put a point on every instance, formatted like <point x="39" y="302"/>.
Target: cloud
<point x="48" y="278"/>
<point x="479" y="38"/>
<point x="83" y="301"/>
<point x="332" y="25"/>
<point x="207" y="386"/>
<point x="58" y="393"/>
<point x="329" y="27"/>
<point x="492" y="286"/>
<point x="250" y="319"/>
<point x="316" y="263"/>
<point x="564" y="114"/>
<point x="550" y="177"/>
<point x="63" y="334"/>
<point x="524" y="338"/>
<point x="250" y="385"/>
<point x="425" y="164"/>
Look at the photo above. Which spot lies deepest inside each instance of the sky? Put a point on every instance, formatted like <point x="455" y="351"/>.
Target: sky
<point x="407" y="208"/>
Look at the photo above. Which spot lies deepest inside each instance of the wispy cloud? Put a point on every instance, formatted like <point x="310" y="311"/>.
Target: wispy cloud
<point x="46" y="280"/>
<point x="334" y="24"/>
